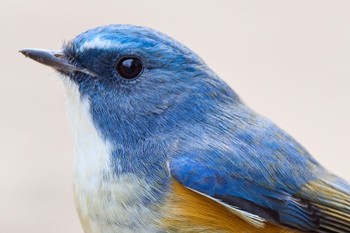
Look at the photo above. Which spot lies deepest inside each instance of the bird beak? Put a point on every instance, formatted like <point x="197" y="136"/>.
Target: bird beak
<point x="54" y="59"/>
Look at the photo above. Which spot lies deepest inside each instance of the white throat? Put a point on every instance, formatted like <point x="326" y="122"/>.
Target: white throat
<point x="106" y="203"/>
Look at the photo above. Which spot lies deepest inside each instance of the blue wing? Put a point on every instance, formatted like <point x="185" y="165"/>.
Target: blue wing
<point x="258" y="168"/>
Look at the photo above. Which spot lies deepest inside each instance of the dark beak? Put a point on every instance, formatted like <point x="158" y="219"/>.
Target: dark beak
<point x="54" y="59"/>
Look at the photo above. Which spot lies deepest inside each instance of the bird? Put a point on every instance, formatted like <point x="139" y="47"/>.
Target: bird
<point x="163" y="144"/>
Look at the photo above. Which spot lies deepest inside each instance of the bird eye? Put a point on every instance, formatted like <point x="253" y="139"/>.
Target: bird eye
<point x="129" y="67"/>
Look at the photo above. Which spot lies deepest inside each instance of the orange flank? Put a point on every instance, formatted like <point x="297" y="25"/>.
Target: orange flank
<point x="188" y="211"/>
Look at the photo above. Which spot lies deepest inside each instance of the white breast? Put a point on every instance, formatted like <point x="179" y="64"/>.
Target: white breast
<point x="106" y="203"/>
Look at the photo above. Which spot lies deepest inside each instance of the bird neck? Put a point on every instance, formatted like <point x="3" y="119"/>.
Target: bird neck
<point x="111" y="193"/>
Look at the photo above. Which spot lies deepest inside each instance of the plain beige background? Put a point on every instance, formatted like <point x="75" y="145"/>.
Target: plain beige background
<point x="289" y="60"/>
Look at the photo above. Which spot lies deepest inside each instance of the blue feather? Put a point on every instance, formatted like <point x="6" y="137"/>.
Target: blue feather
<point x="180" y="111"/>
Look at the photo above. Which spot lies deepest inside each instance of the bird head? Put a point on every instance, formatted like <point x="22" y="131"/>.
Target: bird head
<point x="135" y="75"/>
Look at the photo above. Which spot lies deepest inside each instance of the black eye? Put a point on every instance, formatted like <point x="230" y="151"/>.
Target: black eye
<point x="129" y="67"/>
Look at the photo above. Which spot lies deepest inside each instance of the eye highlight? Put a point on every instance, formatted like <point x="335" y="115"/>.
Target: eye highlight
<point x="129" y="67"/>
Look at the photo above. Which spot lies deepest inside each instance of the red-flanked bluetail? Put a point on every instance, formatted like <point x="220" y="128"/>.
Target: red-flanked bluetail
<point x="164" y="145"/>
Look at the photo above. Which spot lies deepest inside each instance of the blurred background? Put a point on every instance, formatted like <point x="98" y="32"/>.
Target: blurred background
<point x="289" y="60"/>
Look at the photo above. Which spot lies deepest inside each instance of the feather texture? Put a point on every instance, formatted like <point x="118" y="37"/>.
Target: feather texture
<point x="330" y="202"/>
<point x="189" y="211"/>
<point x="235" y="170"/>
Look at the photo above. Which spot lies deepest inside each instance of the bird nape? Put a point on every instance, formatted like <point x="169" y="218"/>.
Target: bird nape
<point x="162" y="144"/>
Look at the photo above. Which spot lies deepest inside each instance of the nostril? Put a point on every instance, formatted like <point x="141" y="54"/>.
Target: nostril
<point x="58" y="55"/>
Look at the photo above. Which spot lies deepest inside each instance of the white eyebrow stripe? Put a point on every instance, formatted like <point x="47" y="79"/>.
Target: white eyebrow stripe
<point x="97" y="43"/>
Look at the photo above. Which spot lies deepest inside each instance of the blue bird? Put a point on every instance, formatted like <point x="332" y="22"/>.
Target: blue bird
<point x="162" y="144"/>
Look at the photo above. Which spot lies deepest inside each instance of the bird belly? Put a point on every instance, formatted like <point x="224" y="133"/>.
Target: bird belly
<point x="115" y="207"/>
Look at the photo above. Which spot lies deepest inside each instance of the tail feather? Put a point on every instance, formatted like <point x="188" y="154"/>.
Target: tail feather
<point x="330" y="198"/>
